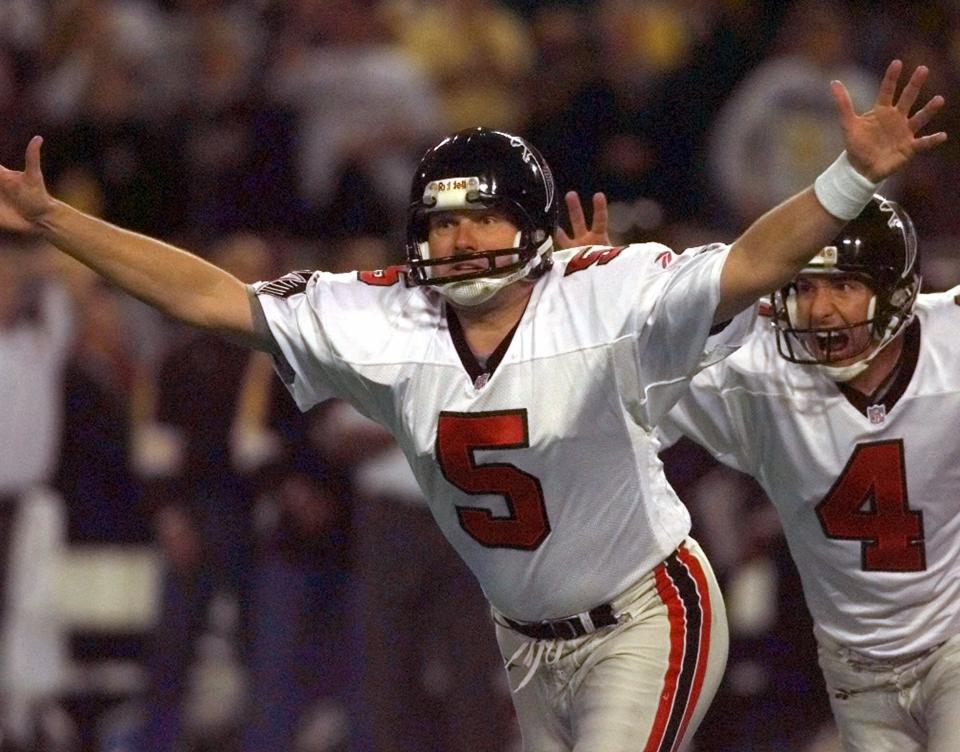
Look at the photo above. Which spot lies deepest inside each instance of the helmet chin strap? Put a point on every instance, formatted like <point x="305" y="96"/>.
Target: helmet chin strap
<point x="843" y="374"/>
<point x="473" y="292"/>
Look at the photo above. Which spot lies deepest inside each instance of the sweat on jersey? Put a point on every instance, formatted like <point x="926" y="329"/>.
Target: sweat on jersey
<point x="867" y="490"/>
<point x="543" y="474"/>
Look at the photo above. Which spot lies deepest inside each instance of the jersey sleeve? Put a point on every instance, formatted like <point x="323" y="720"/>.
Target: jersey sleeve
<point x="324" y="325"/>
<point x="675" y="334"/>
<point x="302" y="355"/>
<point x="726" y="338"/>
<point x="708" y="413"/>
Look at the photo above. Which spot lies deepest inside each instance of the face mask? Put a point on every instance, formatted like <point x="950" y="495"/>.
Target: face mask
<point x="844" y="374"/>
<point x="473" y="292"/>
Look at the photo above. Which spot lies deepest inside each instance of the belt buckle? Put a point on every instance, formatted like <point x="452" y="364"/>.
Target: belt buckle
<point x="557" y="631"/>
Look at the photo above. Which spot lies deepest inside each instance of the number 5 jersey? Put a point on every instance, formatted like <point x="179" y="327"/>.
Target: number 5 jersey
<point x="539" y="465"/>
<point x="867" y="489"/>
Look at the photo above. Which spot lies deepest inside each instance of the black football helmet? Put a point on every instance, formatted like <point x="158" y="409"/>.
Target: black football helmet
<point x="879" y="246"/>
<point x="479" y="168"/>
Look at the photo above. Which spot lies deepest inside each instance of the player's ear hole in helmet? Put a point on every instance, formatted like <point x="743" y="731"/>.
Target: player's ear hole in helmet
<point x="878" y="247"/>
<point x="480" y="168"/>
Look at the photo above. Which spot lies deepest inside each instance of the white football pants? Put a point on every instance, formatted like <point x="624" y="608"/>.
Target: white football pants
<point x="895" y="706"/>
<point x="642" y="685"/>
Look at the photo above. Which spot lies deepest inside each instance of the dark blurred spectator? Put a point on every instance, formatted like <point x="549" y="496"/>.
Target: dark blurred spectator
<point x="236" y="146"/>
<point x="778" y="128"/>
<point x="605" y="96"/>
<point x="934" y="40"/>
<point x="568" y="104"/>
<point x="725" y="40"/>
<point x="101" y="92"/>
<point x="364" y="113"/>
<point x="641" y="45"/>
<point x="298" y="657"/>
<point x="246" y="515"/>
<point x="103" y="57"/>
<point x="477" y="53"/>
<point x="203" y="501"/>
<point x="102" y="392"/>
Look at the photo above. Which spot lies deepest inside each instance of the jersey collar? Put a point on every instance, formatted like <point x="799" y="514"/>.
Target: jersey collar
<point x="896" y="383"/>
<point x="478" y="372"/>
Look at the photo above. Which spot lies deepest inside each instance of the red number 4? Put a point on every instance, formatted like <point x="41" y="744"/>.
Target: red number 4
<point x="459" y="435"/>
<point x="869" y="503"/>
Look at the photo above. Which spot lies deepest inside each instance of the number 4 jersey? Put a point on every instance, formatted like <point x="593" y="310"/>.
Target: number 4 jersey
<point x="868" y="490"/>
<point x="539" y="466"/>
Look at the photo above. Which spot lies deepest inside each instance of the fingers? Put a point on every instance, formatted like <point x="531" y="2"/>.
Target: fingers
<point x="928" y="142"/>
<point x="563" y="240"/>
<point x="841" y="98"/>
<point x="32" y="167"/>
<point x="910" y="92"/>
<point x="888" y="86"/>
<point x="575" y="211"/>
<point x="601" y="214"/>
<point x="923" y="116"/>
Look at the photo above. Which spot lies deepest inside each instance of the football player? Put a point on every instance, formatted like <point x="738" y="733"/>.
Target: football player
<point x="839" y="407"/>
<point x="524" y="386"/>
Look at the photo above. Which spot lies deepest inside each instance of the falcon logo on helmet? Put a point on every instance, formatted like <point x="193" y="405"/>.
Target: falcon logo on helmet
<point x="879" y="247"/>
<point x="481" y="168"/>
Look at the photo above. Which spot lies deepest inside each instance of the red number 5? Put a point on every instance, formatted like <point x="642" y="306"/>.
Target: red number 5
<point x="459" y="435"/>
<point x="869" y="503"/>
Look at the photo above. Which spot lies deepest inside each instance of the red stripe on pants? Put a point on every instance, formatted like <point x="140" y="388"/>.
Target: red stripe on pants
<point x="706" y="617"/>
<point x="678" y="626"/>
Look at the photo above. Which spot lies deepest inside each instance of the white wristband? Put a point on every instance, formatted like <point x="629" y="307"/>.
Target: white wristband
<point x="843" y="191"/>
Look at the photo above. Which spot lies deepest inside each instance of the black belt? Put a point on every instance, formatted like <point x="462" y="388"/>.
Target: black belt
<point x="565" y="629"/>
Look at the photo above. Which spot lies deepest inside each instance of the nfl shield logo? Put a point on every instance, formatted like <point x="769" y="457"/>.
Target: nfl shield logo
<point x="877" y="413"/>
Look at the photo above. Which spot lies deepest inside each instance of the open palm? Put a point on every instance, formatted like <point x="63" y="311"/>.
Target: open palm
<point x="880" y="141"/>
<point x="23" y="195"/>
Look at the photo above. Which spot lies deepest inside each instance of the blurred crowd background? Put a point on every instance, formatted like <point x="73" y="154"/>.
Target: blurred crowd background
<point x="188" y="564"/>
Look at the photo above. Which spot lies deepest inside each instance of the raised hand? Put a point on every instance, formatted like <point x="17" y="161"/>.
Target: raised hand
<point x="882" y="140"/>
<point x="23" y="195"/>
<point x="596" y="234"/>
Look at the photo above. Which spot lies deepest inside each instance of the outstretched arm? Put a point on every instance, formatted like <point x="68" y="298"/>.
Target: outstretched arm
<point x="878" y="143"/>
<point x="176" y="282"/>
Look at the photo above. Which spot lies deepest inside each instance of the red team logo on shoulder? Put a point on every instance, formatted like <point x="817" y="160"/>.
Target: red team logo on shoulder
<point x="383" y="277"/>
<point x="590" y="256"/>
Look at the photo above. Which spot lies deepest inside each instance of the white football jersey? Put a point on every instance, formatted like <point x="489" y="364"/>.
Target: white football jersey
<point x="868" y="490"/>
<point x="542" y="474"/>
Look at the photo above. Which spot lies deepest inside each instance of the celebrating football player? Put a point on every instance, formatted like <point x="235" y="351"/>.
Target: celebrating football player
<point x="835" y="406"/>
<point x="524" y="387"/>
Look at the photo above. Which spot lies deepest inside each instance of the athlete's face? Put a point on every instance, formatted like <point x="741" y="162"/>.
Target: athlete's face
<point x="462" y="232"/>
<point x="839" y="303"/>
